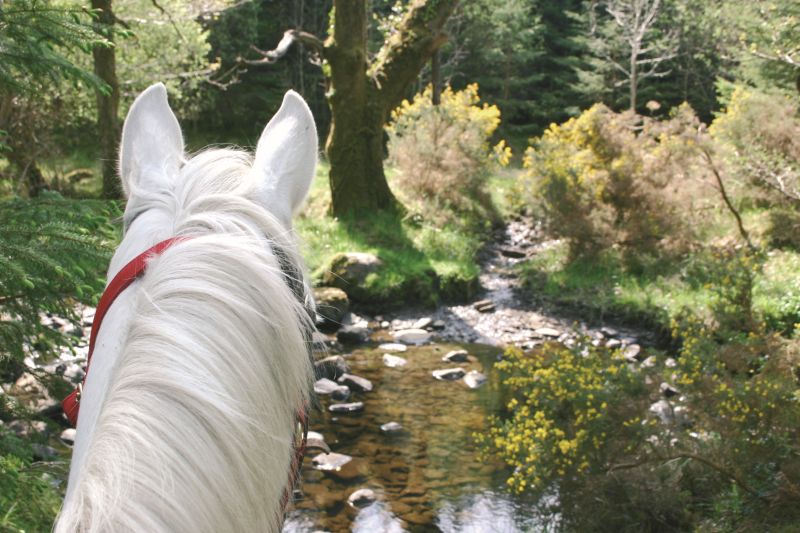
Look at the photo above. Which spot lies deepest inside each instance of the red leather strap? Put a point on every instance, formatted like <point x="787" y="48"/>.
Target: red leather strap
<point x="126" y="276"/>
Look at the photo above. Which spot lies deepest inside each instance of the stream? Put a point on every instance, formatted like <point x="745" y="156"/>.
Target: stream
<point x="404" y="456"/>
<point x="428" y="475"/>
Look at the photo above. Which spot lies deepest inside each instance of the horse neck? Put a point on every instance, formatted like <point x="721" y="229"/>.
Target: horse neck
<point x="148" y="229"/>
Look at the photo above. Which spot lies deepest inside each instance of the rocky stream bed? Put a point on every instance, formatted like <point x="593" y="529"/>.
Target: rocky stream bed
<point x="400" y="399"/>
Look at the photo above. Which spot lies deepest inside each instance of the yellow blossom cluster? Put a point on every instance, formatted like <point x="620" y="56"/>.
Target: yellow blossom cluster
<point x="559" y="413"/>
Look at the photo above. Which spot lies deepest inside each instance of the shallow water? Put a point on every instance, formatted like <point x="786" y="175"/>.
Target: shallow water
<point x="429" y="477"/>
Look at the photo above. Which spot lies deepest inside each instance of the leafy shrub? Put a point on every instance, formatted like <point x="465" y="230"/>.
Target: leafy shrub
<point x="443" y="153"/>
<point x="53" y="254"/>
<point x="607" y="178"/>
<point x="28" y="500"/>
<point x="784" y="228"/>
<point x="724" y="449"/>
<point x="761" y="133"/>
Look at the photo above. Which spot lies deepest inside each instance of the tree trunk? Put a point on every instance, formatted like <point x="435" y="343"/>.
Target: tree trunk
<point x="362" y="96"/>
<point x="107" y="102"/>
<point x="436" y="79"/>
<point x="634" y="78"/>
<point x="354" y="147"/>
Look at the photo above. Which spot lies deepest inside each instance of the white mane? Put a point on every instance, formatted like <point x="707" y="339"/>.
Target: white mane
<point x="196" y="428"/>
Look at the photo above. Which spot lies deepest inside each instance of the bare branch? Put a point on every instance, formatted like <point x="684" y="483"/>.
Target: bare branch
<point x="725" y="198"/>
<point x="169" y="17"/>
<point x="289" y="38"/>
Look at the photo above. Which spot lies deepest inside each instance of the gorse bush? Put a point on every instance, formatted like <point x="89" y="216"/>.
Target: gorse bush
<point x="607" y="178"/>
<point x="585" y="419"/>
<point x="53" y="254"/>
<point x="443" y="153"/>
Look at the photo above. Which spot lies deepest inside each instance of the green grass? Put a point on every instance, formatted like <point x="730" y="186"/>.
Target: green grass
<point x="653" y="294"/>
<point x="424" y="260"/>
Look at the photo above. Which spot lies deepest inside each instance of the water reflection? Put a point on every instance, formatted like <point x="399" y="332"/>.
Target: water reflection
<point x="429" y="476"/>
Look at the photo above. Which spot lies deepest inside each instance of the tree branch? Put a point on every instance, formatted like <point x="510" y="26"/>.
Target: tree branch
<point x="286" y="42"/>
<point x="419" y="34"/>
<point x="725" y="198"/>
<point x="700" y="459"/>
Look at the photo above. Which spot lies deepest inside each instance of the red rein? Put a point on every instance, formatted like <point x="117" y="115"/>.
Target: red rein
<point x="129" y="273"/>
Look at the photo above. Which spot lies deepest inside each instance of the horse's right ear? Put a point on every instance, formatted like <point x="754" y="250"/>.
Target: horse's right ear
<point x="151" y="151"/>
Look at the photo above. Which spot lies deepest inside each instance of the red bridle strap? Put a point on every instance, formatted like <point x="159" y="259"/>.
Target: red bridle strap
<point x="129" y="273"/>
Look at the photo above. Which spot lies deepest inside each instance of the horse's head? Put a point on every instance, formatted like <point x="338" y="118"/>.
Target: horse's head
<point x="201" y="370"/>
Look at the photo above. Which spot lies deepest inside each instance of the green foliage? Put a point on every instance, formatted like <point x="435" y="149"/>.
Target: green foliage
<point x="564" y="404"/>
<point x="580" y="418"/>
<point x="443" y="153"/>
<point x="760" y="133"/>
<point x="53" y="253"/>
<point x="423" y="261"/>
<point x="763" y="36"/>
<point x="35" y="38"/>
<point x="529" y="68"/>
<point x="606" y="179"/>
<point x="28" y="499"/>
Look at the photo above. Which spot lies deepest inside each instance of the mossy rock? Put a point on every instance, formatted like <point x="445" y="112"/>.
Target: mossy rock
<point x="350" y="272"/>
<point x="332" y="303"/>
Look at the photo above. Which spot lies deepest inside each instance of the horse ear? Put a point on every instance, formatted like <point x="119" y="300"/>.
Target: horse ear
<point x="152" y="144"/>
<point x="286" y="157"/>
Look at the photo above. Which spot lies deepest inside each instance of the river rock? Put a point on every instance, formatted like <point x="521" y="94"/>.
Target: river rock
<point x="663" y="410"/>
<point x="484" y="306"/>
<point x="349" y="271"/>
<point x="332" y="304"/>
<point x="632" y="352"/>
<point x="338" y="392"/>
<point x="438" y="325"/>
<point x="668" y="390"/>
<point x="393" y="347"/>
<point x="343" y="408"/>
<point x="352" y="334"/>
<point x="412" y="336"/>
<point x="449" y="374"/>
<point x="613" y="344"/>
<point x="422" y="323"/>
<point x="316" y="441"/>
<point x="42" y="452"/>
<point x="393" y="361"/>
<point x="513" y="253"/>
<point x="68" y="436"/>
<point x="356" y="383"/>
<point x="552" y="333"/>
<point x="391" y="427"/>
<point x="361" y="498"/>
<point x="474" y="379"/>
<point x="609" y="332"/>
<point x="322" y="344"/>
<point x="331" y="367"/>
<point x="33" y="395"/>
<point x="330" y="461"/>
<point x="456" y="356"/>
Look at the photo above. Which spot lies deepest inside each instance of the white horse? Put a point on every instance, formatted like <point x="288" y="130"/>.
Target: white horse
<point x="189" y="413"/>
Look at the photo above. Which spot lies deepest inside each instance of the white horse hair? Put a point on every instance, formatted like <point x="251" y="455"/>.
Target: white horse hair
<point x="188" y="414"/>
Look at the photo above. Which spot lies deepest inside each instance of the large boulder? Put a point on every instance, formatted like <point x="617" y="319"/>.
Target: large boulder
<point x="349" y="272"/>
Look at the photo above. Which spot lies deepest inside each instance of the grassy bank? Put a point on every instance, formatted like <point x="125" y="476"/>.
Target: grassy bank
<point x="425" y="260"/>
<point x="655" y="292"/>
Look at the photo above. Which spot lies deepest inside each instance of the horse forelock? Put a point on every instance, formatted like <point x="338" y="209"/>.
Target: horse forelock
<point x="196" y="429"/>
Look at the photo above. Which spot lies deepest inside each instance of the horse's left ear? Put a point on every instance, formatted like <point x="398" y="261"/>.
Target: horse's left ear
<point x="286" y="157"/>
<point x="151" y="150"/>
